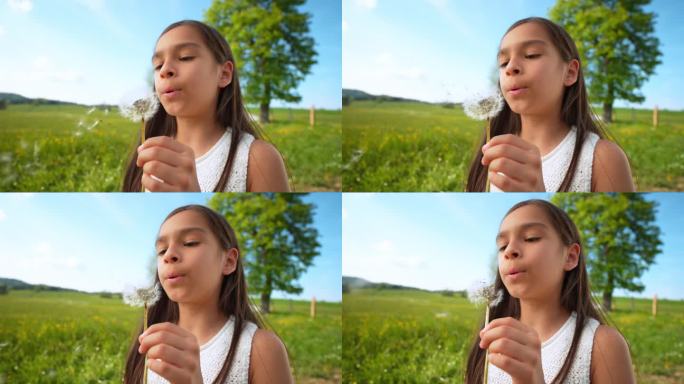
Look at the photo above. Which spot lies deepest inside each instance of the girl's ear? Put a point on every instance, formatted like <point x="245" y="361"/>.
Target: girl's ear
<point x="572" y="73"/>
<point x="230" y="261"/>
<point x="573" y="257"/>
<point x="226" y="76"/>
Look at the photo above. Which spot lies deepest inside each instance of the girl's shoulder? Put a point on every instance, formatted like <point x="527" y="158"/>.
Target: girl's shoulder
<point x="610" y="357"/>
<point x="268" y="359"/>
<point x="266" y="168"/>
<point x="611" y="170"/>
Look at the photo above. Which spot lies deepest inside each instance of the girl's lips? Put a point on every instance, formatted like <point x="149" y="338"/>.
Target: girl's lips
<point x="517" y="91"/>
<point x="175" y="279"/>
<point x="172" y="94"/>
<point x="515" y="275"/>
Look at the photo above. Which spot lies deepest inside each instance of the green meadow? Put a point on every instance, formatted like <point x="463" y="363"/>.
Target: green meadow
<point x="408" y="336"/>
<point x="65" y="148"/>
<point x="406" y="146"/>
<point x="65" y="337"/>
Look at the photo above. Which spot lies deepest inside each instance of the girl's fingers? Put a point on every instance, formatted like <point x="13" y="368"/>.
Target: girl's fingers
<point x="505" y="150"/>
<point x="168" y="327"/>
<point x="510" y="365"/>
<point x="171" y="355"/>
<point x="158" y="153"/>
<point x="509" y="139"/>
<point x="166" y="142"/>
<point x="506" y="184"/>
<point x="161" y="337"/>
<point x="507" y="347"/>
<point x="504" y="331"/>
<point x="164" y="172"/>
<point x="169" y="371"/>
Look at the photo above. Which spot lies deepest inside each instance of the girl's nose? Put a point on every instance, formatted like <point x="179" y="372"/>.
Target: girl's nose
<point x="511" y="251"/>
<point x="166" y="72"/>
<point x="513" y="68"/>
<point x="171" y="255"/>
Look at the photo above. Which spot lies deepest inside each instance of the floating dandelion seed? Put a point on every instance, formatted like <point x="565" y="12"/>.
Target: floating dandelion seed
<point x="483" y="293"/>
<point x="484" y="106"/>
<point x="91" y="110"/>
<point x="142" y="297"/>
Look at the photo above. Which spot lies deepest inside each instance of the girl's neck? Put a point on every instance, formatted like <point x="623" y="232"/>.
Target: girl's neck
<point x="546" y="317"/>
<point x="200" y="319"/>
<point x="544" y="131"/>
<point x="200" y="134"/>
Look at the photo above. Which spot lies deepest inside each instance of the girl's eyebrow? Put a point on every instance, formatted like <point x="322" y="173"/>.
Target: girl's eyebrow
<point x="521" y="227"/>
<point x="524" y="44"/>
<point x="176" y="47"/>
<point x="181" y="232"/>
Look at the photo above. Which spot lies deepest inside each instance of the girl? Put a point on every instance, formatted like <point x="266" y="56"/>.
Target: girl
<point x="204" y="330"/>
<point x="201" y="138"/>
<point x="545" y="138"/>
<point x="546" y="329"/>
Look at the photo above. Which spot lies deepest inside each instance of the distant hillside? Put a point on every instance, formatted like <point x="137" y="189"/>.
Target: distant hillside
<point x="355" y="94"/>
<point x="352" y="282"/>
<point x="19" y="285"/>
<point x="13" y="98"/>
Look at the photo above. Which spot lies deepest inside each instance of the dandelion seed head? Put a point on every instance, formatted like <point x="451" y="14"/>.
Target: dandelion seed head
<point x="137" y="297"/>
<point x="483" y="106"/>
<point x="139" y="105"/>
<point x="482" y="292"/>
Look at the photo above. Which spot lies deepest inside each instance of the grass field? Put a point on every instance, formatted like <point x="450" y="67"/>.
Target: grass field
<point x="421" y="337"/>
<point x="397" y="146"/>
<point x="73" y="337"/>
<point x="63" y="148"/>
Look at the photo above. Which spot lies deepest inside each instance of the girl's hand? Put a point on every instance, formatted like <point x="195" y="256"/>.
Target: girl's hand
<point x="170" y="161"/>
<point x="177" y="349"/>
<point x="515" y="348"/>
<point x="519" y="161"/>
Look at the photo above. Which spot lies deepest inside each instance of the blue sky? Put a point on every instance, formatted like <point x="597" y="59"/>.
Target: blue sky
<point x="105" y="241"/>
<point x="444" y="50"/>
<point x="446" y="240"/>
<point x="94" y="51"/>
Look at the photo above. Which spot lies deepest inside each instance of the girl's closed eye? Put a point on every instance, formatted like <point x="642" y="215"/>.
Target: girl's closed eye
<point x="191" y="243"/>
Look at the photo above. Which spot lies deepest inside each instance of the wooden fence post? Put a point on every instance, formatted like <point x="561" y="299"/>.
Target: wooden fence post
<point x="655" y="117"/>
<point x="312" y="116"/>
<point x="313" y="307"/>
<point x="655" y="305"/>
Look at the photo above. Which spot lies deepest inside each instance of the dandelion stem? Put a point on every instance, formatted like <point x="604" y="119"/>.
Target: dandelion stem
<point x="142" y="187"/>
<point x="486" y="362"/>
<point x="489" y="128"/>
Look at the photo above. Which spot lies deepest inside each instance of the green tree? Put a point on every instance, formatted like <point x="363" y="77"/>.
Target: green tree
<point x="617" y="46"/>
<point x="619" y="237"/>
<point x="277" y="239"/>
<point x="271" y="44"/>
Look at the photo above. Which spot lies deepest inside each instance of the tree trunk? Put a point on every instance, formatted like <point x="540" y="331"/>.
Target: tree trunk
<point x="607" y="300"/>
<point x="263" y="113"/>
<point x="265" y="302"/>
<point x="607" y="112"/>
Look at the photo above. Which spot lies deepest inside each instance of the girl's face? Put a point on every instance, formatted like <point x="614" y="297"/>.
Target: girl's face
<point x="532" y="257"/>
<point x="532" y="74"/>
<point x="190" y="261"/>
<point x="187" y="77"/>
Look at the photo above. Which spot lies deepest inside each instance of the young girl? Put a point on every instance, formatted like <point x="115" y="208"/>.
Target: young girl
<point x="546" y="329"/>
<point x="203" y="329"/>
<point x="201" y="138"/>
<point x="546" y="139"/>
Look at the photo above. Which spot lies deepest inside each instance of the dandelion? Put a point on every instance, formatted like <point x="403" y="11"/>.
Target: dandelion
<point x="142" y="297"/>
<point x="483" y="293"/>
<point x="484" y="106"/>
<point x="139" y="105"/>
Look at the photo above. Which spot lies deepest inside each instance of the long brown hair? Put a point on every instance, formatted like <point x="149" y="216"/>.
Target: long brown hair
<point x="575" y="110"/>
<point x="233" y="300"/>
<point x="575" y="295"/>
<point x="230" y="111"/>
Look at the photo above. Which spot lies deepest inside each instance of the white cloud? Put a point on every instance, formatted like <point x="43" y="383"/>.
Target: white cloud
<point x="2" y="31"/>
<point x="384" y="246"/>
<point x="368" y="4"/>
<point x="345" y="26"/>
<point x="46" y="69"/>
<point x="20" y="5"/>
<point x="439" y="4"/>
<point x="3" y="215"/>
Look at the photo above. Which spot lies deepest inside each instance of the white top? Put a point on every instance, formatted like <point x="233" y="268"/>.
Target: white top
<point x="210" y="165"/>
<point x="555" y="350"/>
<point x="555" y="164"/>
<point x="213" y="355"/>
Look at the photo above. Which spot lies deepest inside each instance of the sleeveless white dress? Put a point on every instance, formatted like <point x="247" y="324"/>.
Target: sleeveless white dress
<point x="211" y="164"/>
<point x="554" y="351"/>
<point x="214" y="352"/>
<point x="555" y="164"/>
